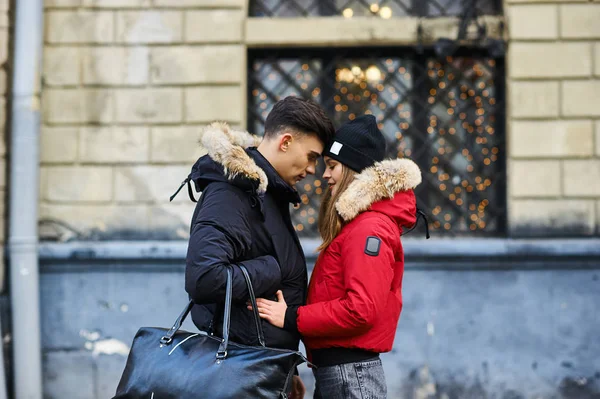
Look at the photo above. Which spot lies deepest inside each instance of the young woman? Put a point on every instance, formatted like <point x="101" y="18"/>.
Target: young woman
<point x="354" y="296"/>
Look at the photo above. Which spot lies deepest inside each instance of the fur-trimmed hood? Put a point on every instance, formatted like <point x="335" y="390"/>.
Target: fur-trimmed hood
<point x="227" y="147"/>
<point x="376" y="188"/>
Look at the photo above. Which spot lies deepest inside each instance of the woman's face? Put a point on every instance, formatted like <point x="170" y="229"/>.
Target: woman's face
<point x="333" y="173"/>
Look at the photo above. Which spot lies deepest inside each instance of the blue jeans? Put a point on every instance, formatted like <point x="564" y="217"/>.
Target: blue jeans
<point x="361" y="380"/>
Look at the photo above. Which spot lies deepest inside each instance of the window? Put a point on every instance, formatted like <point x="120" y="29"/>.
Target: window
<point x="447" y="113"/>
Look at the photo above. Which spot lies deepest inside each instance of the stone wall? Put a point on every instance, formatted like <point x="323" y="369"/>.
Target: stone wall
<point x="126" y="87"/>
<point x="127" y="83"/>
<point x="554" y="117"/>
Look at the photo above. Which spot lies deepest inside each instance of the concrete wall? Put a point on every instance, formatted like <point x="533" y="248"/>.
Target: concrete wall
<point x="512" y="320"/>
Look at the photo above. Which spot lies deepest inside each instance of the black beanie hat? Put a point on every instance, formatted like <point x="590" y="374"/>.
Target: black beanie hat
<point x="358" y="144"/>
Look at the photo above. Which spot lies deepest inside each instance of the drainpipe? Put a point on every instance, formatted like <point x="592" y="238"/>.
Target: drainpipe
<point x="23" y="206"/>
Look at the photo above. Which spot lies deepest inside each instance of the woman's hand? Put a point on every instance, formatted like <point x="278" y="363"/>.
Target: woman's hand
<point x="272" y="311"/>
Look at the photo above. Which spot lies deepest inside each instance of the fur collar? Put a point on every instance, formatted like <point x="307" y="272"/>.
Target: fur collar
<point x="380" y="181"/>
<point x="227" y="147"/>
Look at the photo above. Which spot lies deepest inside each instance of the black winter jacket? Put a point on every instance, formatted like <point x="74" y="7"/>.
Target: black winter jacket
<point x="242" y="218"/>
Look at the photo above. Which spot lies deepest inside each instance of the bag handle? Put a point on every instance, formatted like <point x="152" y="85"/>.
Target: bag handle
<point x="167" y="339"/>
<point x="222" y="352"/>
<point x="259" y="330"/>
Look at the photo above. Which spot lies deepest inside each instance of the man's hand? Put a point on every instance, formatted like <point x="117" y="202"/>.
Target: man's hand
<point x="298" y="388"/>
<point x="273" y="312"/>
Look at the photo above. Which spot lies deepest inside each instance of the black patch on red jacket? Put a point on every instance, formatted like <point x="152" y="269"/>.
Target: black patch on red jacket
<point x="372" y="246"/>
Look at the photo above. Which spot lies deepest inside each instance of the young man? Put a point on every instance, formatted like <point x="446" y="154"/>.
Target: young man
<point x="243" y="218"/>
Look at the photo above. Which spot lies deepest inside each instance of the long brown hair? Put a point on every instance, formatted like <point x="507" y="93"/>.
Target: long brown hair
<point x="330" y="222"/>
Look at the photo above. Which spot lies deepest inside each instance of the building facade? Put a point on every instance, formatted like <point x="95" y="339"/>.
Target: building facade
<point x="498" y="102"/>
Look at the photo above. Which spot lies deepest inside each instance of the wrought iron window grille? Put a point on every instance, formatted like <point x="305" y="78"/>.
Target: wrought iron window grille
<point x="446" y="113"/>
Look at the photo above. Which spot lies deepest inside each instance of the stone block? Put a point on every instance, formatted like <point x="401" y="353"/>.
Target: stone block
<point x="214" y="26"/>
<point x="581" y="98"/>
<point x="204" y="64"/>
<point x="116" y="144"/>
<point x="3" y="111"/>
<point x="151" y="26"/>
<point x="68" y="374"/>
<point x="340" y="31"/>
<point x="555" y="139"/>
<point x="122" y="221"/>
<point x="3" y="45"/>
<point x="62" y="3"/>
<point x="534" y="99"/>
<point x="116" y="66"/>
<point x="551" y="217"/>
<point x="3" y="81"/>
<point x="62" y="66"/>
<point x="79" y="184"/>
<point x="149" y="183"/>
<point x="116" y="3"/>
<point x="59" y="144"/>
<point x="207" y="104"/>
<point x="581" y="178"/>
<point x="153" y="105"/>
<point x="580" y="21"/>
<point x="549" y="60"/>
<point x="3" y="176"/>
<point x="178" y="144"/>
<point x="533" y="21"/>
<point x="201" y="3"/>
<point x="77" y="105"/>
<point x="597" y="59"/>
<point x="598" y="138"/>
<point x="534" y="179"/>
<point x="79" y="26"/>
<point x="175" y="218"/>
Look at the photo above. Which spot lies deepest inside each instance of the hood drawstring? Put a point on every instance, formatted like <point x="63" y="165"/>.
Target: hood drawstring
<point x="187" y="181"/>
<point x="257" y="201"/>
<point x="420" y="214"/>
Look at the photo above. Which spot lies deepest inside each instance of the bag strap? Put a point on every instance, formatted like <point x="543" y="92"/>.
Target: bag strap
<point x="259" y="330"/>
<point x="222" y="352"/>
<point x="167" y="339"/>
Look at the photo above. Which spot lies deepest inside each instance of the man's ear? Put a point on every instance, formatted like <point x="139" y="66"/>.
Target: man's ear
<point x="284" y="141"/>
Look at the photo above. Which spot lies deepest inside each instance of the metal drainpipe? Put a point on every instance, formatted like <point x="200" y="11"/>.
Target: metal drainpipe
<point x="23" y="206"/>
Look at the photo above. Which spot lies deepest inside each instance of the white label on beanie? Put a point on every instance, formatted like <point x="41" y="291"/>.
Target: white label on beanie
<point x="335" y="148"/>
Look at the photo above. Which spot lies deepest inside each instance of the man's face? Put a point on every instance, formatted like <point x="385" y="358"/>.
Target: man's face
<point x="298" y="156"/>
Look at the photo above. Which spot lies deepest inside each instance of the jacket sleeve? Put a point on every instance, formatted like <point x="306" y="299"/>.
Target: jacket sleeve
<point x="220" y="235"/>
<point x="367" y="280"/>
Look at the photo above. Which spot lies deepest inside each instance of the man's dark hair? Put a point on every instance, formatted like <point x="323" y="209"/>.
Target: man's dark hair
<point x="300" y="115"/>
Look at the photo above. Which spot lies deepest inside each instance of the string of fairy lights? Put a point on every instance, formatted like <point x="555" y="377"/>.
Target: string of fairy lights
<point x="458" y="151"/>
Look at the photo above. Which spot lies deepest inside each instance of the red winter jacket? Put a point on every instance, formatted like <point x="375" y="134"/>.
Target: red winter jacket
<point x="355" y="292"/>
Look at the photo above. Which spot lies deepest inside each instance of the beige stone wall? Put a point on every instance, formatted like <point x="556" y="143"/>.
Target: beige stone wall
<point x="554" y="116"/>
<point x="127" y="83"/>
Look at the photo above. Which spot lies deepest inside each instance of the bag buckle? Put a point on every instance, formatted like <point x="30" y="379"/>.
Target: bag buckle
<point x="166" y="340"/>
<point x="221" y="355"/>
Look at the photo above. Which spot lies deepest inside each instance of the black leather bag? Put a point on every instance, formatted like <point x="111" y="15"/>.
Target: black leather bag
<point x="173" y="364"/>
